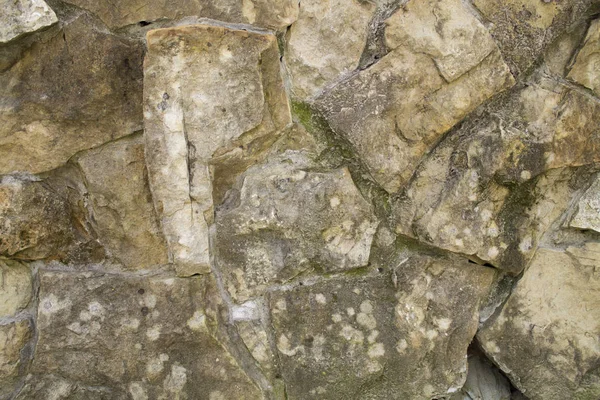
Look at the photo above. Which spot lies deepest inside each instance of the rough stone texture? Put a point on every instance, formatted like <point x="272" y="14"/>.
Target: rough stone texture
<point x="285" y="219"/>
<point x="468" y="193"/>
<point x="326" y="199"/>
<point x="484" y="381"/>
<point x="209" y="92"/>
<point x="587" y="63"/>
<point x="400" y="335"/>
<point x="395" y="111"/>
<point x="338" y="32"/>
<point x="523" y="28"/>
<point x="35" y="220"/>
<point x="64" y="96"/>
<point x="131" y="337"/>
<point x="15" y="287"/>
<point x="546" y="338"/>
<point x="13" y="337"/>
<point x="275" y="14"/>
<point x="123" y="212"/>
<point x="24" y="16"/>
<point x="588" y="209"/>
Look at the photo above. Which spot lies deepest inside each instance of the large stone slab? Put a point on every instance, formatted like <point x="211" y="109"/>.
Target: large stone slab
<point x="274" y="14"/>
<point x="123" y="212"/>
<point x="210" y="92"/>
<point x="24" y="16"/>
<point x="16" y="287"/>
<point x="338" y="34"/>
<point x="395" y="111"/>
<point x="126" y="336"/>
<point x="493" y="188"/>
<point x="585" y="70"/>
<point x="288" y="217"/>
<point x="547" y="336"/>
<point x="402" y="334"/>
<point x="64" y="96"/>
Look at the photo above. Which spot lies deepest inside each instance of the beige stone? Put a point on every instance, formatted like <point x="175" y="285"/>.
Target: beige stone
<point x="586" y="69"/>
<point x="132" y="335"/>
<point x="553" y="349"/>
<point x="380" y="337"/>
<point x="24" y="16"/>
<point x="285" y="219"/>
<point x="123" y="211"/>
<point x="274" y="14"/>
<point x="15" y="287"/>
<point x="210" y="93"/>
<point x="325" y="43"/>
<point x="495" y="186"/>
<point x="13" y="338"/>
<point x="65" y="95"/>
<point x="395" y="111"/>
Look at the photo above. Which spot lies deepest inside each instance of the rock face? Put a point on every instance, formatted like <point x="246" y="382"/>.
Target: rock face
<point x="588" y="60"/>
<point x="275" y="14"/>
<point x="524" y="28"/>
<point x="131" y="337"/>
<point x="88" y="95"/>
<point x="122" y="204"/>
<point x="395" y="335"/>
<point x="286" y="219"/>
<point x="284" y="199"/>
<point x="338" y="31"/>
<point x="395" y="111"/>
<point x="588" y="209"/>
<point x="467" y="194"/>
<point x="24" y="16"/>
<point x="552" y="316"/>
<point x="15" y="281"/>
<point x="209" y="91"/>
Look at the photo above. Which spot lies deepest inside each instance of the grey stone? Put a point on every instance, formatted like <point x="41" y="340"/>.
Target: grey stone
<point x="127" y="336"/>
<point x="401" y="334"/>
<point x="24" y="16"/>
<point x="587" y="64"/>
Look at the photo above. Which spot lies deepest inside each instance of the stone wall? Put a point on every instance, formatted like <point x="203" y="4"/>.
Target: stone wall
<point x="316" y="199"/>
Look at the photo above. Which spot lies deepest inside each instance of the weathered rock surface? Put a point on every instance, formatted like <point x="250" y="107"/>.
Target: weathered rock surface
<point x="275" y="14"/>
<point x="35" y="219"/>
<point x="523" y="28"/>
<point x="587" y="215"/>
<point x="288" y="217"/>
<point x="338" y="32"/>
<point x="395" y="111"/>
<point x="484" y="381"/>
<point x="123" y="211"/>
<point x="13" y="337"/>
<point x="24" y="16"/>
<point x="209" y="93"/>
<point x="483" y="191"/>
<point x="65" y="95"/>
<point x="587" y="63"/>
<point x="118" y="337"/>
<point x="16" y="287"/>
<point x="546" y="338"/>
<point x="402" y="334"/>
